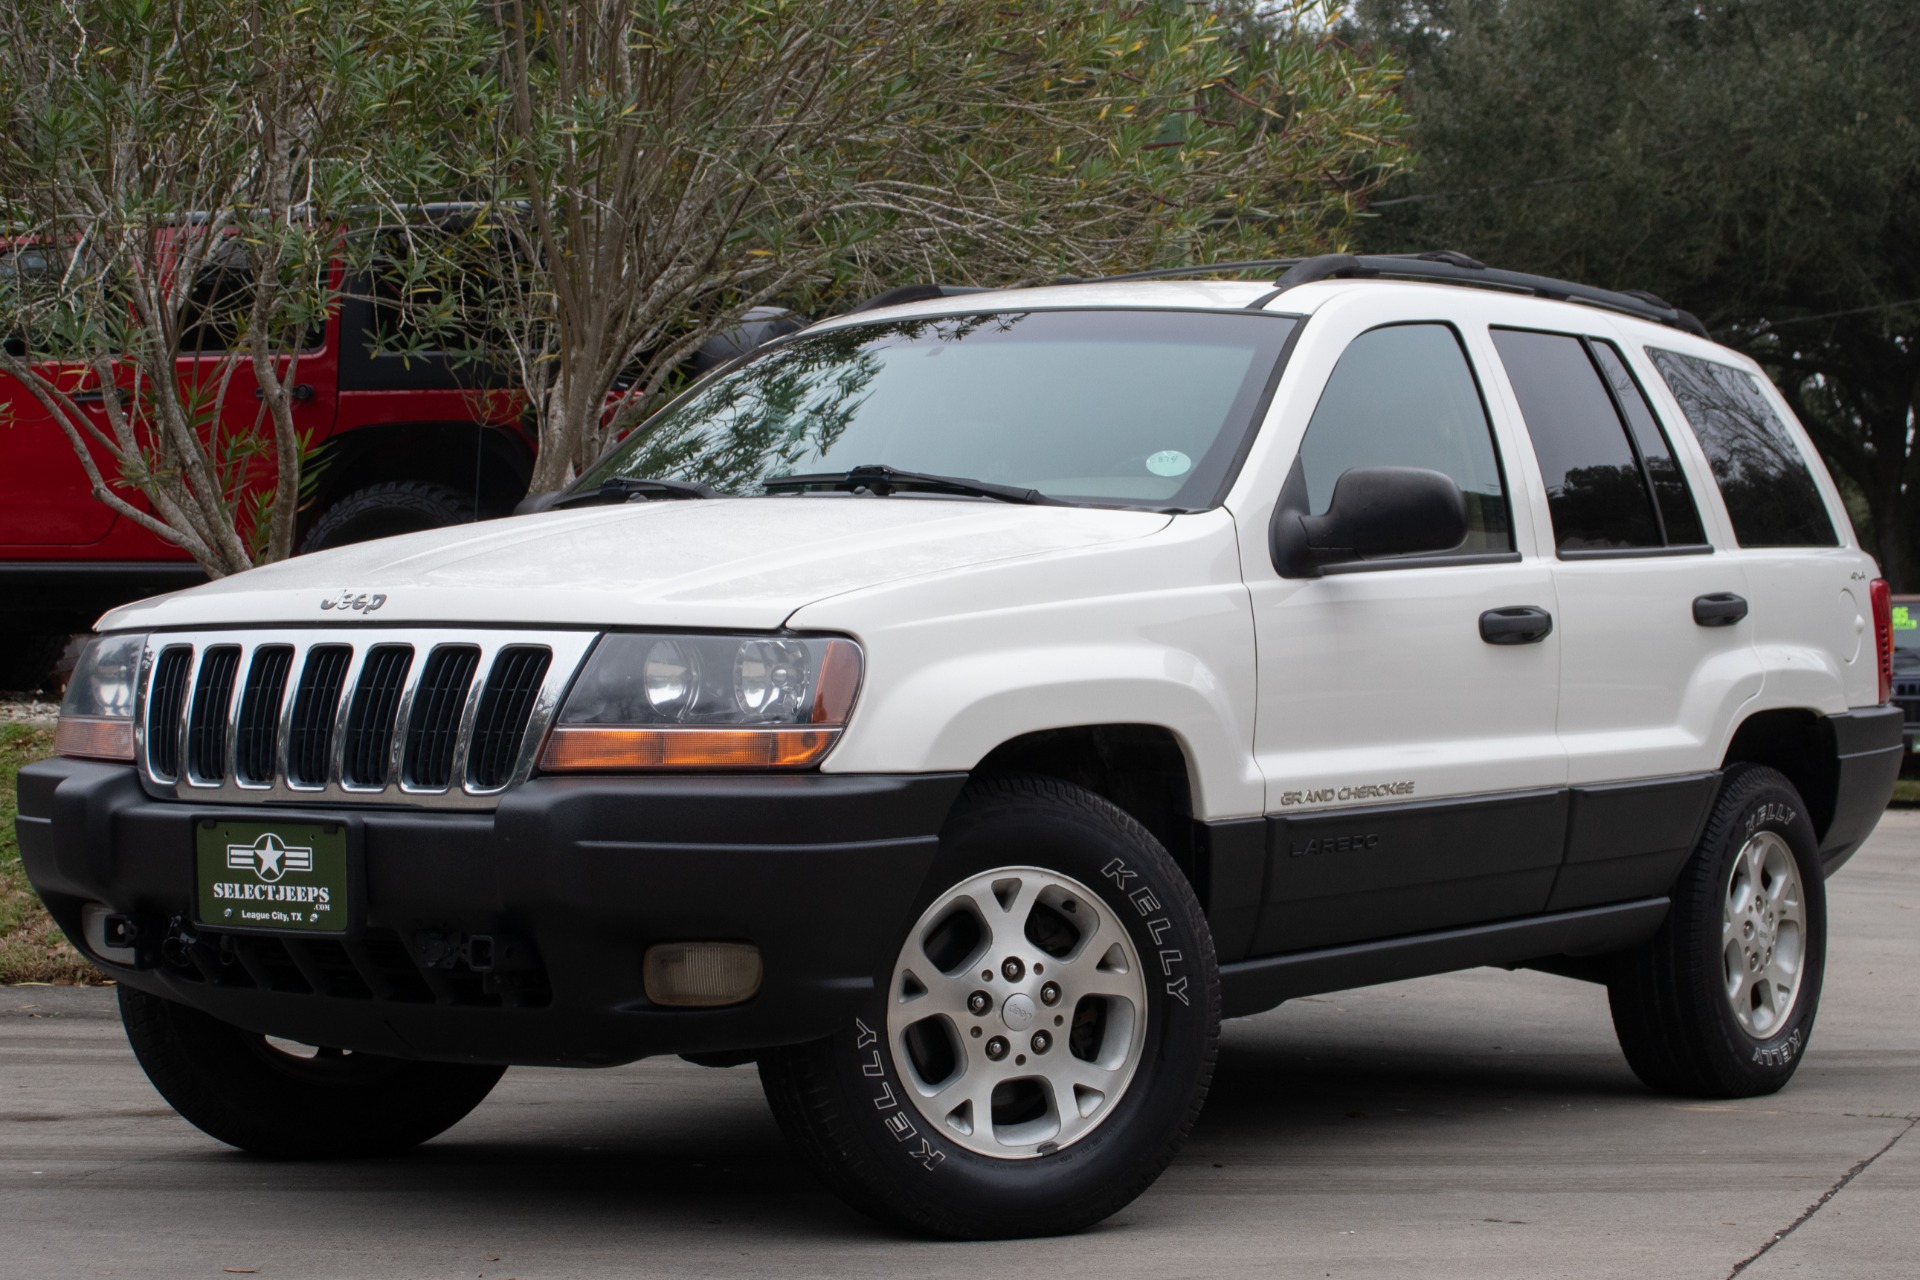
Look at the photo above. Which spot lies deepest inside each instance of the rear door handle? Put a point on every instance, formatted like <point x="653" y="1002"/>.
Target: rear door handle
<point x="1521" y="624"/>
<point x="301" y="392"/>
<point x="1722" y="609"/>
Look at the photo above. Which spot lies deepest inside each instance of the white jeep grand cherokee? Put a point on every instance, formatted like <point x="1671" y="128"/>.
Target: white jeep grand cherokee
<point x="960" y="706"/>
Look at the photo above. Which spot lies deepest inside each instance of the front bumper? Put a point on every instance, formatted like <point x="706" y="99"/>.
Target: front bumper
<point x="571" y="879"/>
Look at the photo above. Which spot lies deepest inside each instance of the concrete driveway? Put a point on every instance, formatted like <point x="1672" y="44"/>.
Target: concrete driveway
<point x="1475" y="1125"/>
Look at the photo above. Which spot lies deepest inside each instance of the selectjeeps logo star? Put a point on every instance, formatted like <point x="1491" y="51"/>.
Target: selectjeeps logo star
<point x="269" y="857"/>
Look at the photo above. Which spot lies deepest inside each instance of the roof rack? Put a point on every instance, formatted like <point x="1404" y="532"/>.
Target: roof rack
<point x="1439" y="266"/>
<point x="913" y="293"/>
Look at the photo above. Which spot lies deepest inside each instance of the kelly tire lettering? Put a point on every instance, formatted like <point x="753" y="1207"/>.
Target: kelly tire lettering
<point x="1721" y="1002"/>
<point x="876" y="1140"/>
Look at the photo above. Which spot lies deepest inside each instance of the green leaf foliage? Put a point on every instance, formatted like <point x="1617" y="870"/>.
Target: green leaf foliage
<point x="1757" y="163"/>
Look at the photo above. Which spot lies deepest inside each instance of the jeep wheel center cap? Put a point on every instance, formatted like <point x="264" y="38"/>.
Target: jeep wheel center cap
<point x="1018" y="1012"/>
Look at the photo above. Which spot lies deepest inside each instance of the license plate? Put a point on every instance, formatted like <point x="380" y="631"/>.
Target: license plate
<point x="273" y="875"/>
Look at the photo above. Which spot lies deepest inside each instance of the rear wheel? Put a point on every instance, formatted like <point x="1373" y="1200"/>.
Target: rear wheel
<point x="1721" y="1002"/>
<point x="383" y="510"/>
<point x="1039" y="1043"/>
<point x="277" y="1099"/>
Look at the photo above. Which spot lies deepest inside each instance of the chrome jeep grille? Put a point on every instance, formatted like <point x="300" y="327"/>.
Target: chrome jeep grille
<point x="417" y="716"/>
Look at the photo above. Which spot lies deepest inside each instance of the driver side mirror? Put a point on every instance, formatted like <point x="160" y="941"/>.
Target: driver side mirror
<point x="1375" y="512"/>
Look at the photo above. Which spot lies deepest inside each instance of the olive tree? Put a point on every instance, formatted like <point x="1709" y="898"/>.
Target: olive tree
<point x="659" y="168"/>
<point x="175" y="180"/>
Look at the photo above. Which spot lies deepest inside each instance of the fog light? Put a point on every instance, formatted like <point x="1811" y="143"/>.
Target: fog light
<point x="701" y="974"/>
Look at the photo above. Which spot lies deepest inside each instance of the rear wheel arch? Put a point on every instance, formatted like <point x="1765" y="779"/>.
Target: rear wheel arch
<point x="1800" y="744"/>
<point x="442" y="453"/>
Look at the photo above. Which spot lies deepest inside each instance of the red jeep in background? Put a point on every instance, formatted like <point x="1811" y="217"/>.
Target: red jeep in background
<point x="403" y="443"/>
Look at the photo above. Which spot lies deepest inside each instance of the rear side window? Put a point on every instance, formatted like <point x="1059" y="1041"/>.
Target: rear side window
<point x="1671" y="496"/>
<point x="1595" y="489"/>
<point x="1404" y="396"/>
<point x="1769" y="492"/>
<point x="1611" y="480"/>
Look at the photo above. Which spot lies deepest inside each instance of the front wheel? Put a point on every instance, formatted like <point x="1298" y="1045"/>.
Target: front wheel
<point x="1041" y="1041"/>
<point x="249" y="1092"/>
<point x="1721" y="1002"/>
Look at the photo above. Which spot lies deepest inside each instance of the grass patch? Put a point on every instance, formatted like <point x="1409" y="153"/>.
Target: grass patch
<point x="32" y="949"/>
<point x="1907" y="792"/>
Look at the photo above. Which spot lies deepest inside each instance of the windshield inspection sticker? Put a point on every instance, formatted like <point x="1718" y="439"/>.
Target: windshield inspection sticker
<point x="1169" y="462"/>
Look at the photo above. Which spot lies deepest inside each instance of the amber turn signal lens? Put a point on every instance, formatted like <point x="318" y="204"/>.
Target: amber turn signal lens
<point x="577" y="748"/>
<point x="94" y="738"/>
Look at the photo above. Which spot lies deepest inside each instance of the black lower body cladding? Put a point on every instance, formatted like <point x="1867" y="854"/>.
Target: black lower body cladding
<point x="566" y="884"/>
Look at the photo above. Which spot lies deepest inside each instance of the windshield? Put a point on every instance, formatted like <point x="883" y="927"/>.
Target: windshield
<point x="1125" y="408"/>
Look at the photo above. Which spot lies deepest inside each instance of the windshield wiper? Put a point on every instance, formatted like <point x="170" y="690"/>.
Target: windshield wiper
<point x="883" y="481"/>
<point x="618" y="489"/>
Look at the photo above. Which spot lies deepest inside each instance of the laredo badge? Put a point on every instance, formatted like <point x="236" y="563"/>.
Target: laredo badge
<point x="282" y="875"/>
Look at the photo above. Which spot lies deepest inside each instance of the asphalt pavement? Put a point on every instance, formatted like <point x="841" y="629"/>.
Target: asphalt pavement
<point x="1474" y="1125"/>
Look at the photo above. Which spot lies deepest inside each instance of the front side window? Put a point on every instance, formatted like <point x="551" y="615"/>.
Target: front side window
<point x="1770" y="495"/>
<point x="1125" y="408"/>
<point x="1404" y="396"/>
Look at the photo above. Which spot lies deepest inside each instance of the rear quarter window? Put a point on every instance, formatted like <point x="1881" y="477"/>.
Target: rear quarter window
<point x="1768" y="489"/>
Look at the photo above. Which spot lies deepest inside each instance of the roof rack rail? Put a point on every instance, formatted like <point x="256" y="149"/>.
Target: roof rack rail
<point x="913" y="293"/>
<point x="1448" y="267"/>
<point x="1435" y="266"/>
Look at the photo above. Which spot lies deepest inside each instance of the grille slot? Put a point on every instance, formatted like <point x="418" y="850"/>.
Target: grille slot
<point x="370" y="718"/>
<point x="207" y="728"/>
<point x="310" y="743"/>
<point x="433" y="730"/>
<point x="506" y="704"/>
<point x="257" y="732"/>
<point x="164" y="704"/>
<point x="424" y="717"/>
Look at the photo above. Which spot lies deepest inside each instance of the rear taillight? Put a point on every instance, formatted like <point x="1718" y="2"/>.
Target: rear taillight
<point x="1883" y="634"/>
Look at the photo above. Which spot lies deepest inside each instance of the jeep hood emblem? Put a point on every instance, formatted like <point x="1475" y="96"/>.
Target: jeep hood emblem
<point x="355" y="601"/>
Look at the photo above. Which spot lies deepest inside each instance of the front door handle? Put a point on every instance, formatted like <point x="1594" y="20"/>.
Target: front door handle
<point x="1521" y="624"/>
<point x="301" y="392"/>
<point x="1722" y="609"/>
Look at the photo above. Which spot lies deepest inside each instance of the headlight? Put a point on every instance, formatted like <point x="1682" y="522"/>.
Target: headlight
<point x="706" y="702"/>
<point x="96" y="720"/>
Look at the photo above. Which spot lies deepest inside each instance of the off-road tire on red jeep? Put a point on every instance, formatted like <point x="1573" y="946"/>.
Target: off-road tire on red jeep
<point x="859" y="1114"/>
<point x="383" y="510"/>
<point x="1677" y="1001"/>
<point x="240" y="1088"/>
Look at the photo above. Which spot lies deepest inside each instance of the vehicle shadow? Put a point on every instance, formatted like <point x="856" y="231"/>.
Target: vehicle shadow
<point x="696" y="1153"/>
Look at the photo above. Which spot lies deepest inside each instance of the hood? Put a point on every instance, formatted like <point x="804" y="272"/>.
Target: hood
<point x="746" y="562"/>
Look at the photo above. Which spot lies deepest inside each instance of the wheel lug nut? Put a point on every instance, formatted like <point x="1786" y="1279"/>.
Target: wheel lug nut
<point x="997" y="1048"/>
<point x="978" y="1003"/>
<point x="1050" y="994"/>
<point x="1013" y="969"/>
<point x="1042" y="1042"/>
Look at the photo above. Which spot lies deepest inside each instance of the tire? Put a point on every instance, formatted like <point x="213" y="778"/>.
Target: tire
<point x="1051" y="857"/>
<point x="27" y="659"/>
<point x="239" y="1088"/>
<point x="1684" y="1025"/>
<point x="383" y="510"/>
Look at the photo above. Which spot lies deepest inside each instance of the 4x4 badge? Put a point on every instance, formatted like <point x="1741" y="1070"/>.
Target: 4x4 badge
<point x="269" y="857"/>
